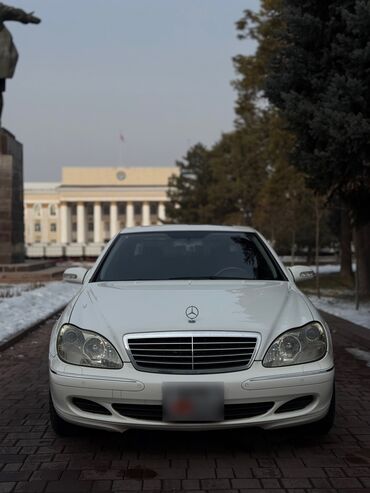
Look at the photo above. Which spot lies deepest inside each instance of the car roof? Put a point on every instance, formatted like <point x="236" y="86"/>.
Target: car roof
<point x="187" y="227"/>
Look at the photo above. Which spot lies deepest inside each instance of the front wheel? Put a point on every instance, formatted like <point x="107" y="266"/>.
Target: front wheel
<point x="59" y="425"/>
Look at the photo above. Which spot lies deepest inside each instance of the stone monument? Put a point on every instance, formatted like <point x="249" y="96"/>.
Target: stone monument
<point x="11" y="151"/>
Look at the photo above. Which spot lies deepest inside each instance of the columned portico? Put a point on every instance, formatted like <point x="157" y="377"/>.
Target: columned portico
<point x="44" y="224"/>
<point x="129" y="215"/>
<point x="94" y="221"/>
<point x="161" y="212"/>
<point x="81" y="223"/>
<point x="146" y="214"/>
<point x="97" y="223"/>
<point x="29" y="223"/>
<point x="65" y="223"/>
<point x="113" y="219"/>
<point x="91" y="205"/>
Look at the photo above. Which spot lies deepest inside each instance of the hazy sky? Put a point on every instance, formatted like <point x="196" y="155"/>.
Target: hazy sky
<point x="157" y="70"/>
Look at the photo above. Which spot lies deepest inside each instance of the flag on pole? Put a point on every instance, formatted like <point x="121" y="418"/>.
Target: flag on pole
<point x="122" y="137"/>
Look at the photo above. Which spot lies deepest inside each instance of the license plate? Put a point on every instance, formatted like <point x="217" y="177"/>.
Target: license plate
<point x="189" y="402"/>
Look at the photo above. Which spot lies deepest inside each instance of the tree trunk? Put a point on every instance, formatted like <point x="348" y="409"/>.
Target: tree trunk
<point x="310" y="255"/>
<point x="362" y="242"/>
<point x="346" y="273"/>
<point x="292" y="249"/>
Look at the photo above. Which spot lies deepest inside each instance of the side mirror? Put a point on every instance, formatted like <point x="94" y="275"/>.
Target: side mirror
<point x="301" y="273"/>
<point x="74" y="275"/>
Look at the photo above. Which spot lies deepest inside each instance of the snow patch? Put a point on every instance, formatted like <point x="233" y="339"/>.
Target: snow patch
<point x="32" y="307"/>
<point x="344" y="309"/>
<point x="360" y="354"/>
<point x="326" y="269"/>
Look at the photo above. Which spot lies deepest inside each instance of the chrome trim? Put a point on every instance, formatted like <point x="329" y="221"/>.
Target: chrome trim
<point x="191" y="334"/>
<point x="291" y="375"/>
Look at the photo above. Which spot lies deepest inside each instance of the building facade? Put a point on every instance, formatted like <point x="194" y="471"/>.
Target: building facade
<point x="89" y="206"/>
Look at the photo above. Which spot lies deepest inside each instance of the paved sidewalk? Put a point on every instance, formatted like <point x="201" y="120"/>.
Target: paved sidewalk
<point x="32" y="458"/>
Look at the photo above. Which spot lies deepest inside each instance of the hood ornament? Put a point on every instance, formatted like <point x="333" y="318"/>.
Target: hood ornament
<point x="192" y="312"/>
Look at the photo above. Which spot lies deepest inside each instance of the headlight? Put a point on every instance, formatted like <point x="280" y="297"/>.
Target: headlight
<point x="297" y="346"/>
<point x="85" y="348"/>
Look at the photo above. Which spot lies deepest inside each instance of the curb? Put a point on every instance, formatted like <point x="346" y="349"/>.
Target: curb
<point x="13" y="339"/>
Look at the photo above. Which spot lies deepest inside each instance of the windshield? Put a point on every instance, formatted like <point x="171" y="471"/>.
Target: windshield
<point x="176" y="255"/>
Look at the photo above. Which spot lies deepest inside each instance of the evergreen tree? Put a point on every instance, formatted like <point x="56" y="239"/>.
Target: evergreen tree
<point x="260" y="27"/>
<point x="320" y="79"/>
<point x="188" y="190"/>
<point x="285" y="212"/>
<point x="239" y="171"/>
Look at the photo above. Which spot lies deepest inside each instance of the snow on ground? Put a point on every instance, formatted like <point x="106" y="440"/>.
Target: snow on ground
<point x="329" y="268"/>
<point x="360" y="354"/>
<point x="326" y="269"/>
<point x="344" y="309"/>
<point x="31" y="307"/>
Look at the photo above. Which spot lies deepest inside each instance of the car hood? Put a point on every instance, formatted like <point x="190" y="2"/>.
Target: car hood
<point x="114" y="309"/>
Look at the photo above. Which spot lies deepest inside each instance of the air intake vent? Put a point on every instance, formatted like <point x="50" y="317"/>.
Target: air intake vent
<point x="90" y="406"/>
<point x="192" y="352"/>
<point x="295" y="404"/>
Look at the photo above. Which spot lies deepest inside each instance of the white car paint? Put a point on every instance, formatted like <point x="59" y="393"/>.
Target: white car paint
<point x="115" y="309"/>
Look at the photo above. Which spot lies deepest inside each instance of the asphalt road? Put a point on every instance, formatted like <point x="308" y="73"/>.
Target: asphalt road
<point x="33" y="458"/>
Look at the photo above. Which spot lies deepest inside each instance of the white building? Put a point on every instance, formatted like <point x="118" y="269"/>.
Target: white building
<point x="90" y="205"/>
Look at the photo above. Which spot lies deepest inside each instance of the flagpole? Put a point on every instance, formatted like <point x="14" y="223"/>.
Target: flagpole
<point x="122" y="140"/>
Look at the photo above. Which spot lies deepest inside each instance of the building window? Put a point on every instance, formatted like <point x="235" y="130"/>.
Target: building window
<point x="53" y="227"/>
<point x="74" y="227"/>
<point x="52" y="210"/>
<point x="121" y="209"/>
<point x="154" y="209"/>
<point x="90" y="209"/>
<point x="37" y="227"/>
<point x="137" y="209"/>
<point x="37" y="210"/>
<point x="90" y="226"/>
<point x="105" y="209"/>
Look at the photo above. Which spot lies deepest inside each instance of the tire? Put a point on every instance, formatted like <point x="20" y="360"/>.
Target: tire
<point x="59" y="425"/>
<point x="326" y="423"/>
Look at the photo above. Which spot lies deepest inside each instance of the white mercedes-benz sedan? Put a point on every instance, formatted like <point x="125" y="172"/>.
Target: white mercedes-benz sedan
<point x="187" y="328"/>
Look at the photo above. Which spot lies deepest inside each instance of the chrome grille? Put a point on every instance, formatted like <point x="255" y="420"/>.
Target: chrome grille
<point x="192" y="352"/>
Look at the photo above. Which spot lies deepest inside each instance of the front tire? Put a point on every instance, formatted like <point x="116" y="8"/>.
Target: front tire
<point x="59" y="425"/>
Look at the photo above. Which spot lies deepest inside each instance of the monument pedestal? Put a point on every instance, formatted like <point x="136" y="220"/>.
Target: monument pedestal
<point x="11" y="199"/>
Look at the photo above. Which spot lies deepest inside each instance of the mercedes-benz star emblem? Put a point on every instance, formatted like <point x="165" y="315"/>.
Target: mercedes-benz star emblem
<point x="192" y="313"/>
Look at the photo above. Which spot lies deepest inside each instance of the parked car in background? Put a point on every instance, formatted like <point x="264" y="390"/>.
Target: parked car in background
<point x="187" y="328"/>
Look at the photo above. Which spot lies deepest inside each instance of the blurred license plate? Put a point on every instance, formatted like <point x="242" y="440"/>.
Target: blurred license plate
<point x="193" y="402"/>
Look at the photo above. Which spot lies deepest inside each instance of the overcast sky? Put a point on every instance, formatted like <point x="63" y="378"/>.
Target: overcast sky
<point x="157" y="70"/>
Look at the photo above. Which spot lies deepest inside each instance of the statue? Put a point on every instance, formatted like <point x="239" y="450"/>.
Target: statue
<point x="8" y="51"/>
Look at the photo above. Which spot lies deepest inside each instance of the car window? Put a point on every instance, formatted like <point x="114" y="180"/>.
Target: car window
<point x="194" y="255"/>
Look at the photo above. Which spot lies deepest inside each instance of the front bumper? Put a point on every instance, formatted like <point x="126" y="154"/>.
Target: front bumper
<point x="130" y="386"/>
